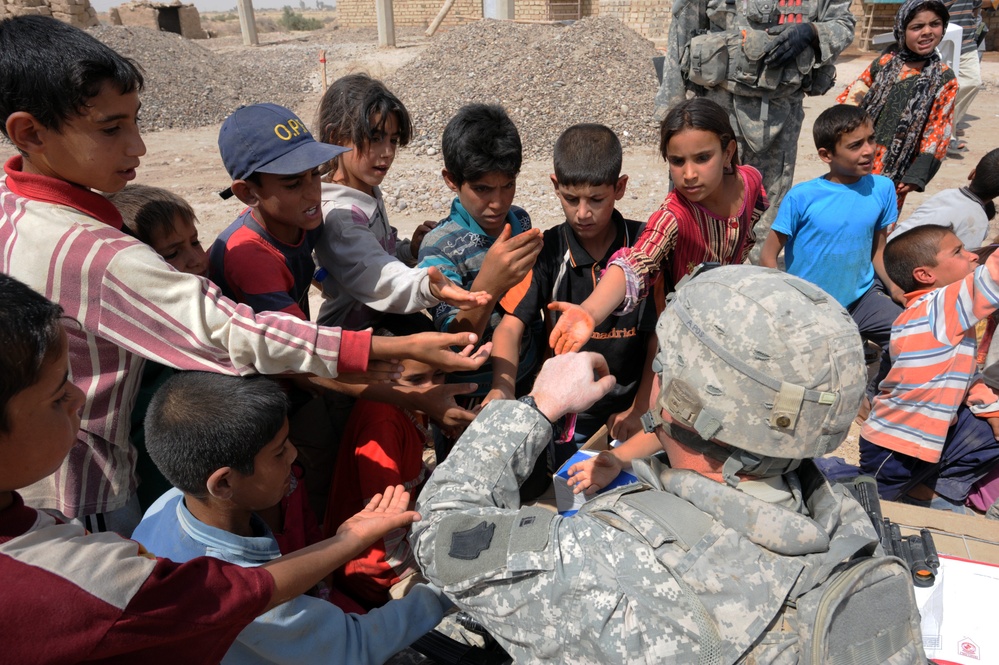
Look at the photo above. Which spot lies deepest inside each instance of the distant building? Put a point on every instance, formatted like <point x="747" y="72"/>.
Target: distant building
<point x="168" y="17"/>
<point x="74" y="12"/>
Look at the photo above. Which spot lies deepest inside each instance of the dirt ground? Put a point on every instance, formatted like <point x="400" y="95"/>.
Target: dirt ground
<point x="187" y="161"/>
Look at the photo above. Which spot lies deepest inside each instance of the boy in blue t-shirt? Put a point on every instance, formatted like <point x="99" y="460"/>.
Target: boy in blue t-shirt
<point x="833" y="228"/>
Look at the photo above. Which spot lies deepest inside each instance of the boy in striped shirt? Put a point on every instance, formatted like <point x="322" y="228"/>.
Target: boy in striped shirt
<point x="932" y="430"/>
<point x="70" y="106"/>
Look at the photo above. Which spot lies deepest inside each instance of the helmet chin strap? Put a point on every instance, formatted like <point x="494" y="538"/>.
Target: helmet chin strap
<point x="736" y="461"/>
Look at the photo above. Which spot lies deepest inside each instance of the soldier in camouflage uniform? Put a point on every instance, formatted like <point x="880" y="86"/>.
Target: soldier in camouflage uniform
<point x="699" y="563"/>
<point x="757" y="59"/>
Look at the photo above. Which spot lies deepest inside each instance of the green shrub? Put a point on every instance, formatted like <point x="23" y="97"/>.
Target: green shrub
<point x="290" y="20"/>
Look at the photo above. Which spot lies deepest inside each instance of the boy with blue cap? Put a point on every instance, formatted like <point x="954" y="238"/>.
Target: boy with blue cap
<point x="264" y="258"/>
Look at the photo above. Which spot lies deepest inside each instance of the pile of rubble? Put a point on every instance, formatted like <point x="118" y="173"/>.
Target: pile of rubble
<point x="548" y="77"/>
<point x="188" y="85"/>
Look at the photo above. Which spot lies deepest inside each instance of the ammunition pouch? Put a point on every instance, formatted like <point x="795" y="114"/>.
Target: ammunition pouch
<point x="735" y="61"/>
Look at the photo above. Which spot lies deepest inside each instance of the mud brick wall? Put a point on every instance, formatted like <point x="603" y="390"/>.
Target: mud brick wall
<point x="991" y="18"/>
<point x="74" y="12"/>
<point x="649" y="18"/>
<point x="419" y="13"/>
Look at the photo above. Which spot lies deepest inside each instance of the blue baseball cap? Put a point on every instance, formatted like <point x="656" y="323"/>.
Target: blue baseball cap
<point x="268" y="138"/>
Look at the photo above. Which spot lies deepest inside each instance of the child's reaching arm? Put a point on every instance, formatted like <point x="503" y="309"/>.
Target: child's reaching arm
<point x="628" y="423"/>
<point x="505" y="358"/>
<point x="878" y="259"/>
<point x="308" y="630"/>
<point x="577" y="322"/>
<point x="772" y="247"/>
<point x="296" y="573"/>
<point x="358" y="265"/>
<point x="592" y="475"/>
<point x="433" y="349"/>
<point x="506" y="263"/>
<point x="628" y="279"/>
<point x="446" y="291"/>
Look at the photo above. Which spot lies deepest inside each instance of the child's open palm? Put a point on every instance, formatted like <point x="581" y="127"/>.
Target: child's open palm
<point x="447" y="291"/>
<point x="385" y="512"/>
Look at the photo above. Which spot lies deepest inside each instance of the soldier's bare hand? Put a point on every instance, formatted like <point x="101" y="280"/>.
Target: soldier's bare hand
<point x="571" y="383"/>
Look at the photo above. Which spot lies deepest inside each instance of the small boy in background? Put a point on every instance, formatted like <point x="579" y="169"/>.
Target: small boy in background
<point x="486" y="243"/>
<point x="382" y="443"/>
<point x="587" y="181"/>
<point x="264" y="258"/>
<point x="223" y="442"/>
<point x="968" y="209"/>
<point x="165" y="222"/>
<point x="70" y="595"/>
<point x="931" y="434"/>
<point x="833" y="228"/>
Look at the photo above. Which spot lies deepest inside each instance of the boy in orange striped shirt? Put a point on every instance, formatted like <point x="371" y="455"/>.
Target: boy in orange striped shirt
<point x="932" y="432"/>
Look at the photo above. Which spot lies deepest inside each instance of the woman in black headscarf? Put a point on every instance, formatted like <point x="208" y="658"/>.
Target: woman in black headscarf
<point x="909" y="94"/>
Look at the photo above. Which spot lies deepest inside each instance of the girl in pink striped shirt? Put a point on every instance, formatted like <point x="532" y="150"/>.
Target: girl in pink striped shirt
<point x="707" y="217"/>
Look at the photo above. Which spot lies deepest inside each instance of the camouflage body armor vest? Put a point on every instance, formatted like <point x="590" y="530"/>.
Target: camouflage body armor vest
<point x="731" y="54"/>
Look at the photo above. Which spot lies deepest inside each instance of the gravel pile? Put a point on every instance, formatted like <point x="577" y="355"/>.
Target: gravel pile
<point x="188" y="85"/>
<point x="547" y="77"/>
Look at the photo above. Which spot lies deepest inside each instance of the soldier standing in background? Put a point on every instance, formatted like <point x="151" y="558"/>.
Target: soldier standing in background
<point x="757" y="59"/>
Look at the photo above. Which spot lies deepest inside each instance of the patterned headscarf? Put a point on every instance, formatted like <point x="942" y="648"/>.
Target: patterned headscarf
<point x="909" y="130"/>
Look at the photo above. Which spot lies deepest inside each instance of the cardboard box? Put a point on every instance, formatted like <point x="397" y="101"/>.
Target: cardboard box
<point x="965" y="536"/>
<point x="568" y="503"/>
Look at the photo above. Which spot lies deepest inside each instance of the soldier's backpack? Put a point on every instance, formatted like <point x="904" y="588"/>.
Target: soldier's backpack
<point x="859" y="609"/>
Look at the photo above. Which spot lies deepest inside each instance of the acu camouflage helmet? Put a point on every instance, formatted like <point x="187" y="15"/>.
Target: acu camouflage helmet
<point x="761" y="361"/>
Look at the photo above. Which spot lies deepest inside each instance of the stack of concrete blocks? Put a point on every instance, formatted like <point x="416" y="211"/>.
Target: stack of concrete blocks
<point x="74" y="12"/>
<point x="147" y="15"/>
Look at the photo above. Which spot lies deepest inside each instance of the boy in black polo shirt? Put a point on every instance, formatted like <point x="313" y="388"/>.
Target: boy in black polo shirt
<point x="588" y="181"/>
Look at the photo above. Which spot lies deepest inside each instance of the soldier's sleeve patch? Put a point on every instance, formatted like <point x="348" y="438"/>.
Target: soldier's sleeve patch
<point x="472" y="548"/>
<point x="470" y="543"/>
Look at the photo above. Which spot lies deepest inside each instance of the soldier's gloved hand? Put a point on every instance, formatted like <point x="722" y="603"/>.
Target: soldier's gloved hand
<point x="570" y="383"/>
<point x="792" y="39"/>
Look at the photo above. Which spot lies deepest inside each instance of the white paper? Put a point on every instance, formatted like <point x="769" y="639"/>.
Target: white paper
<point x="958" y="613"/>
